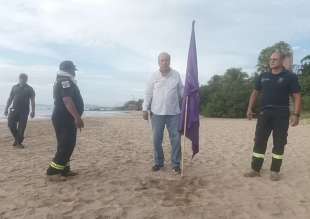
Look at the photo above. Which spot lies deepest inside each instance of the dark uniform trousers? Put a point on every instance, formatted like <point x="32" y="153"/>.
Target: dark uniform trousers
<point x="277" y="122"/>
<point x="17" y="122"/>
<point x="66" y="134"/>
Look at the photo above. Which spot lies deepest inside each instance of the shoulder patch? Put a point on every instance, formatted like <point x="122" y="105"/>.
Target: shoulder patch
<point x="65" y="84"/>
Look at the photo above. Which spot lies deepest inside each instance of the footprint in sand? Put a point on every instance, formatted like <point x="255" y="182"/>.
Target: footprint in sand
<point x="171" y="192"/>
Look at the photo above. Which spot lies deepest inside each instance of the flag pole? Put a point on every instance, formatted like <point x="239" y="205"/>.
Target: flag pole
<point x="184" y="137"/>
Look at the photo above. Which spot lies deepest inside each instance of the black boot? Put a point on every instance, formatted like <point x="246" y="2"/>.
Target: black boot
<point x="52" y="171"/>
<point x="67" y="172"/>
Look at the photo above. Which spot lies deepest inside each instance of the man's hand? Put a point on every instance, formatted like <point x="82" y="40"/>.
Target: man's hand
<point x="294" y="120"/>
<point x="250" y="114"/>
<point x="6" y="113"/>
<point x="145" y="115"/>
<point x="79" y="123"/>
<point x="32" y="114"/>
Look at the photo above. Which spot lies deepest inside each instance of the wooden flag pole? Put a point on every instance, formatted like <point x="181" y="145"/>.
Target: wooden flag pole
<point x="184" y="136"/>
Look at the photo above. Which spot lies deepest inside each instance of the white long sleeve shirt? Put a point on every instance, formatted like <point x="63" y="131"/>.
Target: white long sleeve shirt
<point x="164" y="93"/>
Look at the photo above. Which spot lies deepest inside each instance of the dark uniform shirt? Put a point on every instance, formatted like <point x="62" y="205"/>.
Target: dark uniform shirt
<point x="21" y="95"/>
<point x="276" y="89"/>
<point x="64" y="87"/>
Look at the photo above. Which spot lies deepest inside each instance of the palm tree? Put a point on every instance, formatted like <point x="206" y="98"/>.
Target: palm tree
<point x="305" y="60"/>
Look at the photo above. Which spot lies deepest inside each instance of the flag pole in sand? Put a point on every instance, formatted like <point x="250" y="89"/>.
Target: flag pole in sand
<point x="184" y="136"/>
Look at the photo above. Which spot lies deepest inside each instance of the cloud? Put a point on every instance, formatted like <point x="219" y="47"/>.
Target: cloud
<point x="115" y="43"/>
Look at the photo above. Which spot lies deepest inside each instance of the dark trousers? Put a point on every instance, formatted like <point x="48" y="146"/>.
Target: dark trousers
<point x="277" y="122"/>
<point x="17" y="122"/>
<point x="66" y="138"/>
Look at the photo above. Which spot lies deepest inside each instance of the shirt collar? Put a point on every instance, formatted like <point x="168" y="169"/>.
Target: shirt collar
<point x="281" y="73"/>
<point x="66" y="74"/>
<point x="167" y="75"/>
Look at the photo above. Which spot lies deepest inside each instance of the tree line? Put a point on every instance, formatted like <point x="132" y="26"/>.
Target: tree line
<point x="227" y="95"/>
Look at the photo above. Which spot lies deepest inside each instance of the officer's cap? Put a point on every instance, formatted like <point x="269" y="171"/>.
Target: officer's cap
<point x="67" y="66"/>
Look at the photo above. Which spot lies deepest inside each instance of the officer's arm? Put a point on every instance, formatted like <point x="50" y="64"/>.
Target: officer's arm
<point x="71" y="107"/>
<point x="33" y="105"/>
<point x="9" y="101"/>
<point x="73" y="111"/>
<point x="253" y="99"/>
<point x="297" y="101"/>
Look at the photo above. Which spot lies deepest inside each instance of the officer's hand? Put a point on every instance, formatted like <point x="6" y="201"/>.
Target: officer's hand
<point x="79" y="123"/>
<point x="250" y="114"/>
<point x="294" y="120"/>
<point x="32" y="115"/>
<point x="6" y="113"/>
<point x="145" y="115"/>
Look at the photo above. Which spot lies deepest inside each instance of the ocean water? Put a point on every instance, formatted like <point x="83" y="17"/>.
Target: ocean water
<point x="45" y="112"/>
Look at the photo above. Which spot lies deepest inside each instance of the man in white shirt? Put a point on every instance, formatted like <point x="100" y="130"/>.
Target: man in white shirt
<point x="163" y="99"/>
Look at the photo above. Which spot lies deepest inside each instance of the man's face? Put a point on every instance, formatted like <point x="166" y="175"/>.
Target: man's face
<point x="288" y="63"/>
<point x="164" y="62"/>
<point x="73" y="73"/>
<point x="275" y="61"/>
<point x="23" y="80"/>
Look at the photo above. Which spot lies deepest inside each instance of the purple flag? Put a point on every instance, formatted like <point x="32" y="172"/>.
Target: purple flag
<point x="191" y="95"/>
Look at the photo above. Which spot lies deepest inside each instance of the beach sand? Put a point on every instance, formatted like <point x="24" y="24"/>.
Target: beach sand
<point x="114" y="158"/>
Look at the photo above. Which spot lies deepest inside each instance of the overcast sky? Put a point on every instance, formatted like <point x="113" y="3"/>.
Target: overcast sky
<point x="115" y="43"/>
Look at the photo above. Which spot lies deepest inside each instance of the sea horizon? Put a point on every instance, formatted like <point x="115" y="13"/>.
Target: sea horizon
<point x="44" y="111"/>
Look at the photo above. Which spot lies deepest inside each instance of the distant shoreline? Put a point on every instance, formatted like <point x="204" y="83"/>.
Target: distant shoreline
<point x="87" y="114"/>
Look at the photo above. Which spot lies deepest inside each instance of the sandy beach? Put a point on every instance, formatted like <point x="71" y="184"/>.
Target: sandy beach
<point x="114" y="158"/>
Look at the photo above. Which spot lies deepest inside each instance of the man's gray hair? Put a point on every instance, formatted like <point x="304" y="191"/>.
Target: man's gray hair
<point x="284" y="54"/>
<point x="164" y="54"/>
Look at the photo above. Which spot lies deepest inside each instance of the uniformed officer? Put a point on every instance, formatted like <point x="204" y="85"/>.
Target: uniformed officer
<point x="275" y="88"/>
<point x="21" y="95"/>
<point x="66" y="118"/>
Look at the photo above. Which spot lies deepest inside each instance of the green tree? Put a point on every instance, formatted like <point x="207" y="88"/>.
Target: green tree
<point x="264" y="56"/>
<point x="305" y="60"/>
<point x="304" y="79"/>
<point x="133" y="105"/>
<point x="227" y="95"/>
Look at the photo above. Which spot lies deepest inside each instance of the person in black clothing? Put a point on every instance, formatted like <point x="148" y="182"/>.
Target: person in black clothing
<point x="21" y="95"/>
<point x="275" y="88"/>
<point x="66" y="118"/>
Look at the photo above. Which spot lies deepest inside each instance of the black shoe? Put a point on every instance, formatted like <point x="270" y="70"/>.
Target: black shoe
<point x="251" y="174"/>
<point x="177" y="170"/>
<point x="52" y="171"/>
<point x="55" y="175"/>
<point x="14" y="144"/>
<point x="275" y="176"/>
<point x="156" y="168"/>
<point x="21" y="146"/>
<point x="67" y="172"/>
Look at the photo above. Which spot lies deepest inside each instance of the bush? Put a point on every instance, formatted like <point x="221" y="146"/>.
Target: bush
<point x="226" y="96"/>
<point x="306" y="103"/>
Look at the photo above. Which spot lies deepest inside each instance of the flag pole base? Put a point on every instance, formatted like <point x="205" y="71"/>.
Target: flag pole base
<point x="184" y="136"/>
